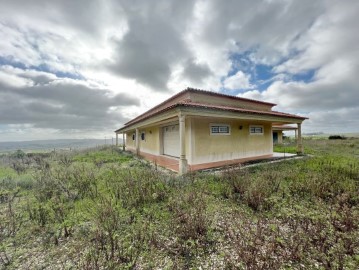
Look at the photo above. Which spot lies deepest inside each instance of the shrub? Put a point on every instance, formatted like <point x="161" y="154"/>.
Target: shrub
<point x="136" y="186"/>
<point x="190" y="215"/>
<point x="112" y="243"/>
<point x="19" y="154"/>
<point x="326" y="178"/>
<point x="328" y="241"/>
<point x="71" y="183"/>
<point x="254" y="189"/>
<point x="336" y="137"/>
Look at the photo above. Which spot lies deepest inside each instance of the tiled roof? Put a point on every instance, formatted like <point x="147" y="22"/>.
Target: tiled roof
<point x="170" y="102"/>
<point x="190" y="104"/>
<point x="226" y="96"/>
<point x="235" y="109"/>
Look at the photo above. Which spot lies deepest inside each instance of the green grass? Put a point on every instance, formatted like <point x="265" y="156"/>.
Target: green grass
<point x="6" y="172"/>
<point x="104" y="156"/>
<point x="73" y="212"/>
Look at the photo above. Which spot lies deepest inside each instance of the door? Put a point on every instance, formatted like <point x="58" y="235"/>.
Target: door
<point x="171" y="145"/>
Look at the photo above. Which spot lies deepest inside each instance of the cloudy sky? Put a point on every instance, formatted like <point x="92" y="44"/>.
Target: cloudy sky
<point x="81" y="68"/>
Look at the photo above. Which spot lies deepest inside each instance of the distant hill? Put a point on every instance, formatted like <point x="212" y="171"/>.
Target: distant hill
<point x="43" y="145"/>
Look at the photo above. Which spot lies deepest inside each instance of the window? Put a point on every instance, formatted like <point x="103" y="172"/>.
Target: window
<point x="256" y="130"/>
<point x="133" y="136"/>
<point x="220" y="129"/>
<point x="142" y="136"/>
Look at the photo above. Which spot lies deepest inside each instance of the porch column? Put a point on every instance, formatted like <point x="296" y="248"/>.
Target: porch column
<point x="123" y="142"/>
<point x="182" y="131"/>
<point x="137" y="142"/>
<point x="116" y="139"/>
<point x="299" y="139"/>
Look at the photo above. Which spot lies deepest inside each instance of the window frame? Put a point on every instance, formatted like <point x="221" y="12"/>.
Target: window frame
<point x="255" y="127"/>
<point x="219" y="125"/>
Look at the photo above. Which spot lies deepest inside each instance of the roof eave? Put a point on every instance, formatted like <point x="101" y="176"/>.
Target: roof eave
<point x="292" y="116"/>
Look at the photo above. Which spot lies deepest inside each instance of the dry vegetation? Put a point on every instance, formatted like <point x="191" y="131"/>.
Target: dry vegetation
<point x="105" y="209"/>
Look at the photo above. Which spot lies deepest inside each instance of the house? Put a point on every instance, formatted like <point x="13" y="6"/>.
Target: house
<point x="197" y="129"/>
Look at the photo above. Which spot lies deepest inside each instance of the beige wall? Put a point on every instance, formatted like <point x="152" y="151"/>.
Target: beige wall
<point x="152" y="140"/>
<point x="149" y="145"/>
<point x="239" y="144"/>
<point x="130" y="144"/>
<point x="202" y="147"/>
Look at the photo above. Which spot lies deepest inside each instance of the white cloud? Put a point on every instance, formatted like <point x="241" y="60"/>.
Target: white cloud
<point x="238" y="81"/>
<point x="153" y="50"/>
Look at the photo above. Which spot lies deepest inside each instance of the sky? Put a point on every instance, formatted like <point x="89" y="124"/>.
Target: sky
<point x="82" y="68"/>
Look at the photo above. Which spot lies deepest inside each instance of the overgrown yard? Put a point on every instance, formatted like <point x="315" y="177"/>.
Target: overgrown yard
<point x="105" y="209"/>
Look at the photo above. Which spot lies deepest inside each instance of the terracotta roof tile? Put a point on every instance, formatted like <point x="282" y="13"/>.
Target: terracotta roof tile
<point x="170" y="102"/>
<point x="189" y="103"/>
<point x="235" y="109"/>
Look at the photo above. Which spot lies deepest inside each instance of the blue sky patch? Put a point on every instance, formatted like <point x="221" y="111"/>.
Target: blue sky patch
<point x="10" y="61"/>
<point x="262" y="76"/>
<point x="306" y="76"/>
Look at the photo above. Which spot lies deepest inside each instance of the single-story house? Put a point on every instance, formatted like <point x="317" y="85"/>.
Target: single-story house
<point x="198" y="129"/>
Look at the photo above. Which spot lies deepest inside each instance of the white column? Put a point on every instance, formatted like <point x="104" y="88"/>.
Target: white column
<point x="116" y="139"/>
<point x="182" y="131"/>
<point x="123" y="142"/>
<point x="137" y="140"/>
<point x="299" y="139"/>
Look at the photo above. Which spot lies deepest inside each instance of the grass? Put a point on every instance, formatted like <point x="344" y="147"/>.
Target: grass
<point x="104" y="209"/>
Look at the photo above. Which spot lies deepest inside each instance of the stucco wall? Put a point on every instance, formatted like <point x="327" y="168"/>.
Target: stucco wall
<point x="151" y="142"/>
<point x="149" y="145"/>
<point x="130" y="144"/>
<point x="202" y="147"/>
<point x="239" y="144"/>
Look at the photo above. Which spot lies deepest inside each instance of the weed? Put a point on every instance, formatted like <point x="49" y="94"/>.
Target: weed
<point x="136" y="187"/>
<point x="252" y="189"/>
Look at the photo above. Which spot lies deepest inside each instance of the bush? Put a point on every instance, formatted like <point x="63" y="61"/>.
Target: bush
<point x="251" y="188"/>
<point x="135" y="187"/>
<point x="113" y="244"/>
<point x="336" y="137"/>
<point x="189" y="215"/>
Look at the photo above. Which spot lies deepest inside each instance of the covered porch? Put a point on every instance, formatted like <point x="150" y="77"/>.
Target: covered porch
<point x="147" y="139"/>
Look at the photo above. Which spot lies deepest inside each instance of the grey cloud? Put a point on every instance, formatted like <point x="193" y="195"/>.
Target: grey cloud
<point x="335" y="121"/>
<point x="263" y="25"/>
<point x="154" y="41"/>
<point x="62" y="106"/>
<point x="319" y="96"/>
<point x="87" y="16"/>
<point x="196" y="72"/>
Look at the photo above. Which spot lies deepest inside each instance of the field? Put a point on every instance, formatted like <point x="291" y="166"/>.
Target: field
<point x="105" y="209"/>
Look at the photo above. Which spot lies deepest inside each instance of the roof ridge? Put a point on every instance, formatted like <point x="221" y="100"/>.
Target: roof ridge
<point x="228" y="96"/>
